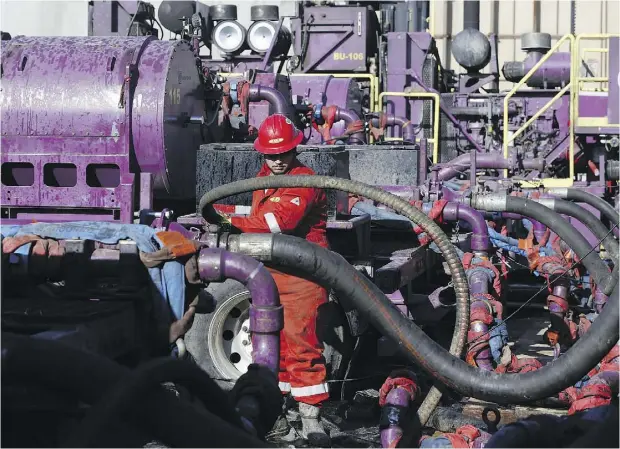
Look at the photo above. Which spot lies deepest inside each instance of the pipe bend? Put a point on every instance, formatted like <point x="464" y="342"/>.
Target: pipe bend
<point x="480" y="239"/>
<point x="266" y="313"/>
<point x="350" y="117"/>
<point x="406" y="127"/>
<point x="273" y="96"/>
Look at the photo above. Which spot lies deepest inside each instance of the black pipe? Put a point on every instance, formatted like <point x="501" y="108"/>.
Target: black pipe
<point x="471" y="14"/>
<point x="295" y="255"/>
<point x="89" y="376"/>
<point x="142" y="381"/>
<point x="592" y="223"/>
<point x="554" y="221"/>
<point x="606" y="209"/>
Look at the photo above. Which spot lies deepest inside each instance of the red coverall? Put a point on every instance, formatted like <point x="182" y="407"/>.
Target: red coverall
<point x="301" y="212"/>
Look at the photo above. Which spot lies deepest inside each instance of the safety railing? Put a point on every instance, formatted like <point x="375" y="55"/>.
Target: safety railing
<point x="421" y="95"/>
<point x="509" y="138"/>
<point x="580" y="81"/>
<point x="600" y="79"/>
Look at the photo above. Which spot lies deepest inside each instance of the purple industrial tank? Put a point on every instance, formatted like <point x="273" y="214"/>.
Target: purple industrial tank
<point x="88" y="123"/>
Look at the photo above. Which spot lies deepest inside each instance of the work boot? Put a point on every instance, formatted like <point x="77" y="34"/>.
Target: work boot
<point x="312" y="428"/>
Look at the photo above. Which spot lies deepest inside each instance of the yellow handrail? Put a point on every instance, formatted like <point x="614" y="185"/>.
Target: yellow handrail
<point x="432" y="95"/>
<point x="566" y="182"/>
<point x="374" y="84"/>
<point x="579" y="80"/>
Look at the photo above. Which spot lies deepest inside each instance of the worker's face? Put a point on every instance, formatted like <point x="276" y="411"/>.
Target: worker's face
<point x="279" y="164"/>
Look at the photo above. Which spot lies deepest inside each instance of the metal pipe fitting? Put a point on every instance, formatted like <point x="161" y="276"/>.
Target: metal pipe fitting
<point x="484" y="160"/>
<point x="350" y="117"/>
<point x="495" y="202"/>
<point x="273" y="96"/>
<point x="266" y="313"/>
<point x="407" y="130"/>
<point x="480" y="238"/>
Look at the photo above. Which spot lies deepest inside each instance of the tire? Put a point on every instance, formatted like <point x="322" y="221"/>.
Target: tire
<point x="216" y="339"/>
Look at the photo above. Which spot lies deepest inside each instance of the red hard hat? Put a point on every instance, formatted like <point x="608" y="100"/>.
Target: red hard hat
<point x="277" y="135"/>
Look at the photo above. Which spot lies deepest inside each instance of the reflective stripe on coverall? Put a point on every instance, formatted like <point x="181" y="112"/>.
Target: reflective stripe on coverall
<point x="301" y="212"/>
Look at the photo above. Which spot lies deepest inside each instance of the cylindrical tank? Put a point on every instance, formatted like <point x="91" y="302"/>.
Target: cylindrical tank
<point x="131" y="101"/>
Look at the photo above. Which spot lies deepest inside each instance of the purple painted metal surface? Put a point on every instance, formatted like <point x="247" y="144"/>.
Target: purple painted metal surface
<point x="391" y="435"/>
<point x="70" y="119"/>
<point x="266" y="313"/>
<point x="480" y="236"/>
<point x="324" y="90"/>
<point x="337" y="38"/>
<point x="479" y="285"/>
<point x="484" y="160"/>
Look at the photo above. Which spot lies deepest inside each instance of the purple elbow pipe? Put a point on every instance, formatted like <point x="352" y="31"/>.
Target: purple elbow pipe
<point x="483" y="160"/>
<point x="266" y="313"/>
<point x="407" y="131"/>
<point x="350" y="117"/>
<point x="480" y="238"/>
<point x="274" y="97"/>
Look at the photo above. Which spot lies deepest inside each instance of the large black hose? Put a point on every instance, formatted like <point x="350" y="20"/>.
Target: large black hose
<point x="592" y="223"/>
<point x="334" y="271"/>
<point x="89" y="376"/>
<point x="606" y="209"/>
<point x="554" y="221"/>
<point x="461" y="287"/>
<point x="292" y="254"/>
<point x="142" y="381"/>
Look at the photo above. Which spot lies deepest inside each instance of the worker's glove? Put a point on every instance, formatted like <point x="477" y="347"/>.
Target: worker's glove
<point x="214" y="217"/>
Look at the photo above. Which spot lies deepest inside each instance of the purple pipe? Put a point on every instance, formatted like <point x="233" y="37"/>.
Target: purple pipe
<point x="391" y="435"/>
<point x="480" y="238"/>
<point x="484" y="160"/>
<point x="274" y="97"/>
<point x="600" y="299"/>
<point x="479" y="285"/>
<point x="539" y="230"/>
<point x="407" y="130"/>
<point x="350" y="117"/>
<point x="266" y="313"/>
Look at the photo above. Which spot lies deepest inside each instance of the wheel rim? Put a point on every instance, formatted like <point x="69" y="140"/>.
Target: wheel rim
<point x="228" y="339"/>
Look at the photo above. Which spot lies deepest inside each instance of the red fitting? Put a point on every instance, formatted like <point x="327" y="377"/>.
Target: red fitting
<point x="469" y="432"/>
<point x="390" y="383"/>
<point x="590" y="396"/>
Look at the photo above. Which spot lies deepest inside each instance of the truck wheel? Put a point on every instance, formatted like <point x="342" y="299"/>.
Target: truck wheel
<point x="220" y="341"/>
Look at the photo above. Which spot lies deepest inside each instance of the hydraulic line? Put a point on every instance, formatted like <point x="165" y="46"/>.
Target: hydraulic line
<point x="554" y="221"/>
<point x="442" y="241"/>
<point x="606" y="209"/>
<point x="295" y="255"/>
<point x="89" y="377"/>
<point x="335" y="272"/>
<point x="592" y="223"/>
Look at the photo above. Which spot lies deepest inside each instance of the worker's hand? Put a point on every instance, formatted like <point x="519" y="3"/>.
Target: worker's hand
<point x="214" y="217"/>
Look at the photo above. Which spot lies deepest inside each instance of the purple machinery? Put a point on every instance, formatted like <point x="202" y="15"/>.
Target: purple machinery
<point x="92" y="126"/>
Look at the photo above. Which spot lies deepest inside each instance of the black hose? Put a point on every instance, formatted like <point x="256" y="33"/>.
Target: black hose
<point x="461" y="287"/>
<point x="606" y="209"/>
<point x="292" y="254"/>
<point x="592" y="223"/>
<point x="577" y="242"/>
<point x="88" y="377"/>
<point x="144" y="379"/>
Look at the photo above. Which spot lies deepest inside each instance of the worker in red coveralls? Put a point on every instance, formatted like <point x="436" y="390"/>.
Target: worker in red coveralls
<point x="301" y="212"/>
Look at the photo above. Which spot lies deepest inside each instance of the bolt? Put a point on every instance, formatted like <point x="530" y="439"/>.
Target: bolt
<point x="245" y="342"/>
<point x="244" y="328"/>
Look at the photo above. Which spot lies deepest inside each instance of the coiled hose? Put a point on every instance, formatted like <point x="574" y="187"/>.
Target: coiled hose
<point x="89" y="377"/>
<point x="442" y="241"/>
<point x="334" y="271"/>
<point x="294" y="255"/>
